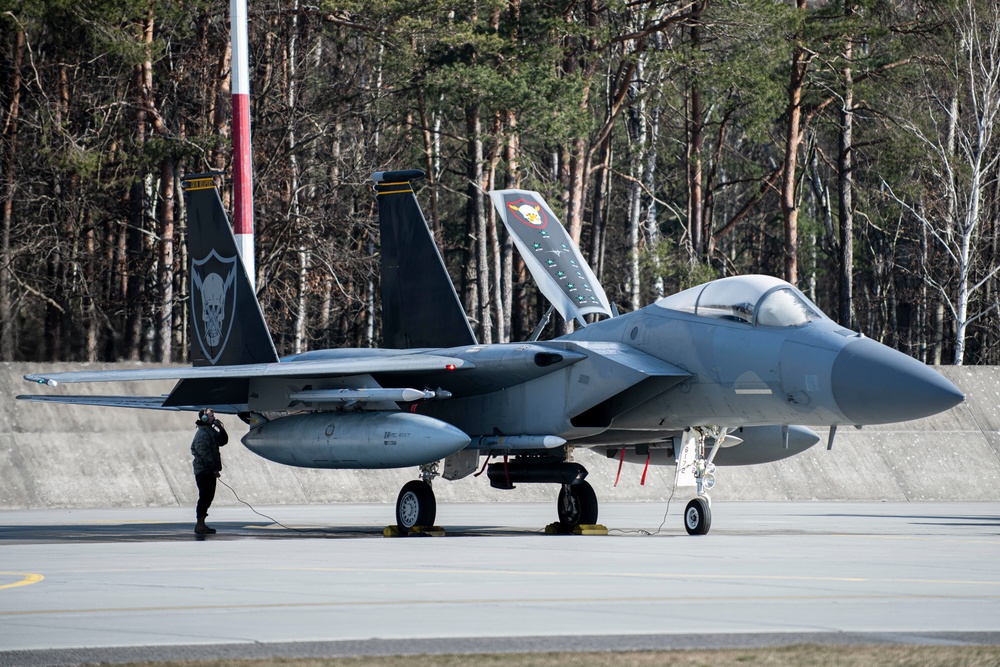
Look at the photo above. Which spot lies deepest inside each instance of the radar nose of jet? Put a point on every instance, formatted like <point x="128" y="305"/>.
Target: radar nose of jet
<point x="874" y="384"/>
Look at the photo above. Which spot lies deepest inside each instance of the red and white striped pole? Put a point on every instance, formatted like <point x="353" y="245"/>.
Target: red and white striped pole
<point x="242" y="162"/>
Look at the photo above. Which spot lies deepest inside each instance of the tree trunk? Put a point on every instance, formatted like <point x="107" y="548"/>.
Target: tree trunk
<point x="165" y="277"/>
<point x="299" y="344"/>
<point x="499" y="317"/>
<point x="652" y="224"/>
<point x="695" y="124"/>
<point x="429" y="146"/>
<point x="511" y="180"/>
<point x="139" y="201"/>
<point x="637" y="133"/>
<point x="90" y="351"/>
<point x="789" y="204"/>
<point x="845" y="187"/>
<point x="602" y="181"/>
<point x="476" y="216"/>
<point x="9" y="139"/>
<point x="301" y="308"/>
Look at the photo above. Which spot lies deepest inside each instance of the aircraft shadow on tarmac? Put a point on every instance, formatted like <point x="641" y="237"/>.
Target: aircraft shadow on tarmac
<point x="236" y="530"/>
<point x="168" y="532"/>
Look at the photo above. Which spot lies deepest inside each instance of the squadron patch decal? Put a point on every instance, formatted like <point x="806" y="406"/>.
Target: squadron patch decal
<point x="214" y="297"/>
<point x="529" y="212"/>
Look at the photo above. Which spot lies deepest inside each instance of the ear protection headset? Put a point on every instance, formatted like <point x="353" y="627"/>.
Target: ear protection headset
<point x="203" y="416"/>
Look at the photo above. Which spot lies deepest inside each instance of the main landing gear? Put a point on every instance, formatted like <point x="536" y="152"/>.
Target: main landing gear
<point x="416" y="505"/>
<point x="697" y="470"/>
<point x="577" y="505"/>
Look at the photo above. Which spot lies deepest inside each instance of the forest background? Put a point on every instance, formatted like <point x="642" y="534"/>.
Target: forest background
<point x="848" y="146"/>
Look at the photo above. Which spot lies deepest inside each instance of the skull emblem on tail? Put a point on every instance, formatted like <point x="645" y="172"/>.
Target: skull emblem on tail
<point x="212" y="302"/>
<point x="213" y="308"/>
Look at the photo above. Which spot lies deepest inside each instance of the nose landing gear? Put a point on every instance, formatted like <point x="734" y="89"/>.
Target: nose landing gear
<point x="697" y="470"/>
<point x="698" y="516"/>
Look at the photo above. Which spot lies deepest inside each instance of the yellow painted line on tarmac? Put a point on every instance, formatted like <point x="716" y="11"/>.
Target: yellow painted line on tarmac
<point x="478" y="602"/>
<point x="28" y="579"/>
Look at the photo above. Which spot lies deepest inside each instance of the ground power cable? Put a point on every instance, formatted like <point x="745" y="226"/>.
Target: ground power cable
<point x="643" y="531"/>
<point x="272" y="519"/>
<point x="640" y="531"/>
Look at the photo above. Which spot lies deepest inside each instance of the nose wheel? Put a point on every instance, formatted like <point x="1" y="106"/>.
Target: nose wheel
<point x="698" y="516"/>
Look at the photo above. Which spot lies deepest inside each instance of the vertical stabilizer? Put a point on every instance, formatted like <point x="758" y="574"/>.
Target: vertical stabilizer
<point x="553" y="259"/>
<point x="227" y="324"/>
<point x="420" y="307"/>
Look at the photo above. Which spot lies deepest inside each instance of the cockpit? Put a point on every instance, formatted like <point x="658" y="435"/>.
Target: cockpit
<point x="753" y="300"/>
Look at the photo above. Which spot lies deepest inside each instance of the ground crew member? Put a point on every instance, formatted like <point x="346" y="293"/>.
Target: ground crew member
<point x="211" y="435"/>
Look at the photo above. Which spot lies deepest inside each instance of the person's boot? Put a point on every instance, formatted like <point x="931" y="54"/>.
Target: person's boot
<point x="201" y="529"/>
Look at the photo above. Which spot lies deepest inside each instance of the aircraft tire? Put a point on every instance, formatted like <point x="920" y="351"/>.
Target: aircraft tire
<point x="580" y="507"/>
<point x="697" y="517"/>
<point x="415" y="505"/>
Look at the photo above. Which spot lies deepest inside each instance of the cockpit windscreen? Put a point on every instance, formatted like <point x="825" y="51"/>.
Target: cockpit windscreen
<point x="752" y="300"/>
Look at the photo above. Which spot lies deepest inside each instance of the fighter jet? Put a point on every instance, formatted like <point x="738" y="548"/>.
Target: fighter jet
<point x="731" y="372"/>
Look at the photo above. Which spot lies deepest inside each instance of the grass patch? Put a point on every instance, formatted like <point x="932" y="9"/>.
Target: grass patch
<point x="800" y="656"/>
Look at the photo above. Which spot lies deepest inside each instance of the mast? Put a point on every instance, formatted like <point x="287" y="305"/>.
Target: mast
<point x="242" y="162"/>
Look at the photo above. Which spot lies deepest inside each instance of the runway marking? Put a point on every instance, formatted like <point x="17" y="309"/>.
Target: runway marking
<point x="569" y="573"/>
<point x="29" y="578"/>
<point x="907" y="538"/>
<point x="494" y="601"/>
<point x="649" y="575"/>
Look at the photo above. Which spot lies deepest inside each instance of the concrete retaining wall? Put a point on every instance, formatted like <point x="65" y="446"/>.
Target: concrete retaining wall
<point x="79" y="456"/>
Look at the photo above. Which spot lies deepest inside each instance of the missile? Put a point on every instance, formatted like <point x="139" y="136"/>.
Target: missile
<point x="517" y="442"/>
<point x="365" y="394"/>
<point x="38" y="379"/>
<point x="355" y="440"/>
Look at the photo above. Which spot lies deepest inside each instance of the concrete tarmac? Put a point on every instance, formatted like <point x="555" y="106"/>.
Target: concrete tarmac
<point x="122" y="585"/>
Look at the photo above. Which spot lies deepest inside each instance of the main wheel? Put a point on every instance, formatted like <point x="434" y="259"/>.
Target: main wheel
<point x="697" y="517"/>
<point x="415" y="505"/>
<point x="577" y="505"/>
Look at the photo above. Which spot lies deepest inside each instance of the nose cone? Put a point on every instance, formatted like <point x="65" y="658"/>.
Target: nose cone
<point x="874" y="384"/>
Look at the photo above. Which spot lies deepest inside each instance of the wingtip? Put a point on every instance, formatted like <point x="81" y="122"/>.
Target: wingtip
<point x="37" y="379"/>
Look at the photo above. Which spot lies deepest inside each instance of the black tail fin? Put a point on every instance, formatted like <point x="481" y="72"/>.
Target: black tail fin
<point x="420" y="307"/>
<point x="228" y="325"/>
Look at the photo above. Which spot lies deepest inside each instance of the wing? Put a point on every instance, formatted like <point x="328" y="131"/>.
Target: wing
<point x="403" y="363"/>
<point x="227" y="388"/>
<point x="137" y="402"/>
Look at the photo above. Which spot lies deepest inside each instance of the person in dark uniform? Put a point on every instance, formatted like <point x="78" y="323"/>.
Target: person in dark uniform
<point x="210" y="436"/>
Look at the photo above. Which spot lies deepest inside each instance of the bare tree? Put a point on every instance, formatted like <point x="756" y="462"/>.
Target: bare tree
<point x="801" y="57"/>
<point x="963" y="174"/>
<point x="9" y="145"/>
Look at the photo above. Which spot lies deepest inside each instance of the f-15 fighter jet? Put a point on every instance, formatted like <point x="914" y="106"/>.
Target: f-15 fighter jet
<point x="732" y="372"/>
